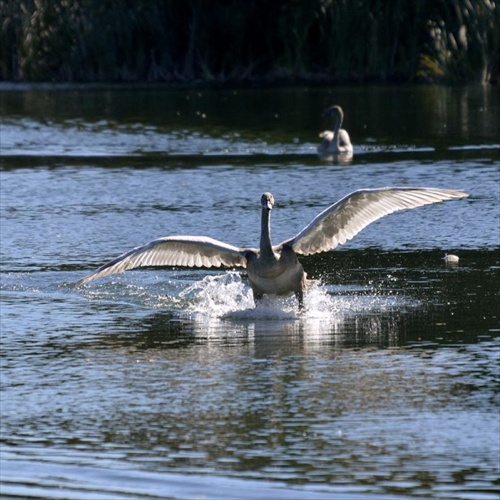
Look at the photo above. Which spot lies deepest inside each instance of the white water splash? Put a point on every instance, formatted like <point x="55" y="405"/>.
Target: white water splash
<point x="228" y="296"/>
<point x="217" y="295"/>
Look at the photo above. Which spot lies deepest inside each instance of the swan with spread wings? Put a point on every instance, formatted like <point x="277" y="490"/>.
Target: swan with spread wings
<point x="275" y="269"/>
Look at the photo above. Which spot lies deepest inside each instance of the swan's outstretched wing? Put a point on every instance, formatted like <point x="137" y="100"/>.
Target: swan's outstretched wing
<point x="343" y="220"/>
<point x="189" y="251"/>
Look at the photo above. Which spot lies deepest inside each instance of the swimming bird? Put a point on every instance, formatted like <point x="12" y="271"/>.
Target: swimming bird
<point x="275" y="269"/>
<point x="338" y="141"/>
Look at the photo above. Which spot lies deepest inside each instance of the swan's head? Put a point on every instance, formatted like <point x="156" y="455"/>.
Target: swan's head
<point x="267" y="201"/>
<point x="335" y="111"/>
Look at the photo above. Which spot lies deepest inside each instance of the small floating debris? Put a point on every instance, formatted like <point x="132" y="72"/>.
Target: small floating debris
<point x="450" y="259"/>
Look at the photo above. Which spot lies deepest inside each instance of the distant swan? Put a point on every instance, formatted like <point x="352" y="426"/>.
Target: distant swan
<point x="276" y="269"/>
<point x="338" y="141"/>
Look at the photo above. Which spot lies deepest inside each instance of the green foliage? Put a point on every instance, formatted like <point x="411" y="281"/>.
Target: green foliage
<point x="221" y="40"/>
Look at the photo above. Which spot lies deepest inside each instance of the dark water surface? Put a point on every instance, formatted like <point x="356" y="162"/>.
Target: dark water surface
<point x="167" y="383"/>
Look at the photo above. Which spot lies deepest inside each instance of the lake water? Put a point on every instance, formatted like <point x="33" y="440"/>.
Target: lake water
<point x="167" y="383"/>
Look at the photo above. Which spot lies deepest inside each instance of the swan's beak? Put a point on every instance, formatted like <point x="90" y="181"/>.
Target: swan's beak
<point x="269" y="205"/>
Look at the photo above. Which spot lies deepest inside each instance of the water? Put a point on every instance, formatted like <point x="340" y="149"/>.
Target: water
<point x="168" y="383"/>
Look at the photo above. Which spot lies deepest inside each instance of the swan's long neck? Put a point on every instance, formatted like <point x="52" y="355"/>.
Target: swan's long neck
<point x="338" y="124"/>
<point x="266" y="248"/>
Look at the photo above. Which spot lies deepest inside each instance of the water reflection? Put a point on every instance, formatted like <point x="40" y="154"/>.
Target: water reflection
<point x="343" y="417"/>
<point x="338" y="159"/>
<point x="161" y="331"/>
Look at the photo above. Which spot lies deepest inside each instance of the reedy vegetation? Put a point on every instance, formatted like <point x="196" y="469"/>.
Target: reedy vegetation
<point x="453" y="41"/>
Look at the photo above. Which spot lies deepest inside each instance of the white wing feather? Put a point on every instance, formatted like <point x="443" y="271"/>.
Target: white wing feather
<point x="343" y="220"/>
<point x="188" y="251"/>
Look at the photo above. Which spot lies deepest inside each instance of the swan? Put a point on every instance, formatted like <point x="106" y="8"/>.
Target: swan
<point x="338" y="141"/>
<point x="275" y="269"/>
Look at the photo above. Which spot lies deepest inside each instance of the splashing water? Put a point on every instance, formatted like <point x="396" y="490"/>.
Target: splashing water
<point x="217" y="295"/>
<point x="227" y="296"/>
